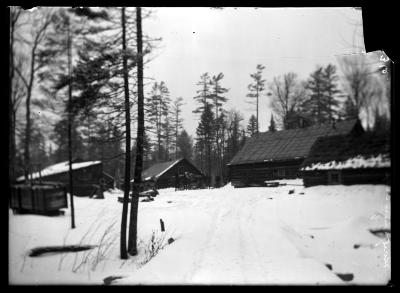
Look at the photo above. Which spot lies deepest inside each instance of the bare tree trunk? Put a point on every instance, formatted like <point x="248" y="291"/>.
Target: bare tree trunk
<point x="70" y="121"/>
<point x="125" y="204"/>
<point x="132" y="245"/>
<point x="257" y="111"/>
<point x="176" y="136"/>
<point x="11" y="130"/>
<point x="28" y="117"/>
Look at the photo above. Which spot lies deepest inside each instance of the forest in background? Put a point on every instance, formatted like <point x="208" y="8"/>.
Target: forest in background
<point x="39" y="108"/>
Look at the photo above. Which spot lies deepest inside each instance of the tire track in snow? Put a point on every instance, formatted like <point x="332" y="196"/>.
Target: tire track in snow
<point x="196" y="265"/>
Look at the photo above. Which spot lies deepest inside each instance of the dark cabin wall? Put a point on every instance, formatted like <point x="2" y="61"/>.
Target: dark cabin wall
<point x="257" y="173"/>
<point x="84" y="179"/>
<point x="168" y="178"/>
<point x="348" y="176"/>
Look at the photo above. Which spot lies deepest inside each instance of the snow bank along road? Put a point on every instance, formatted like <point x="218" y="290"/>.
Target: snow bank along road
<point x="239" y="236"/>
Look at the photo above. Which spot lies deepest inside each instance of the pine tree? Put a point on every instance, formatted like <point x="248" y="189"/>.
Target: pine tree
<point x="206" y="136"/>
<point x="203" y="94"/>
<point x="132" y="243"/>
<point x="158" y="117"/>
<point x="314" y="105"/>
<point x="331" y="91"/>
<point x="256" y="88"/>
<point x="252" y="126"/>
<point x="184" y="145"/>
<point x="272" y="126"/>
<point x="177" y="121"/>
<point x="234" y="133"/>
<point x="217" y="91"/>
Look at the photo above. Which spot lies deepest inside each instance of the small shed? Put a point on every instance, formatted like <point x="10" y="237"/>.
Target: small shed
<point x="279" y="154"/>
<point x="165" y="174"/>
<point x="41" y="198"/>
<point x="87" y="176"/>
<point x="348" y="159"/>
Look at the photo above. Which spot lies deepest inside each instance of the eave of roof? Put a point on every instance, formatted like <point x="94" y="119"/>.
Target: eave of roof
<point x="58" y="168"/>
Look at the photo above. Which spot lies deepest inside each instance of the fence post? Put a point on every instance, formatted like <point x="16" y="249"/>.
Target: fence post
<point x="162" y="225"/>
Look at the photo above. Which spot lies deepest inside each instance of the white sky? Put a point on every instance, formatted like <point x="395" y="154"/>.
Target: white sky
<point x="234" y="41"/>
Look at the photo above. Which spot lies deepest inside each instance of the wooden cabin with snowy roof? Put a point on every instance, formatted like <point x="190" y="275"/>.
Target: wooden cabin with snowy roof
<point x="164" y="174"/>
<point x="280" y="154"/>
<point x="87" y="176"/>
<point x="348" y="159"/>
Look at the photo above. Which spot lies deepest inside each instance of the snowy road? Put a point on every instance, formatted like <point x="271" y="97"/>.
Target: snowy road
<point x="243" y="236"/>
<point x="224" y="236"/>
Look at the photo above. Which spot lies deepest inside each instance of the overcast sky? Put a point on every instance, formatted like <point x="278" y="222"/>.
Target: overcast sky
<point x="234" y="41"/>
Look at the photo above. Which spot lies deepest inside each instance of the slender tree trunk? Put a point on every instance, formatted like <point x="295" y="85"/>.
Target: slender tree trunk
<point x="11" y="118"/>
<point x="132" y="245"/>
<point x="257" y="110"/>
<point x="70" y="121"/>
<point x="176" y="135"/>
<point x="28" y="116"/>
<point x="127" y="178"/>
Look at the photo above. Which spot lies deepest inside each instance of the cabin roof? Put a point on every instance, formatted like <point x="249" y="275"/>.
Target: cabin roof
<point x="349" y="151"/>
<point x="158" y="169"/>
<point x="58" y="169"/>
<point x="288" y="144"/>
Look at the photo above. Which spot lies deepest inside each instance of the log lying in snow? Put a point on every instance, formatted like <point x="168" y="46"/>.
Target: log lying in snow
<point x="272" y="184"/>
<point x="345" y="277"/>
<point x="148" y="193"/>
<point x="110" y="279"/>
<point x="58" y="249"/>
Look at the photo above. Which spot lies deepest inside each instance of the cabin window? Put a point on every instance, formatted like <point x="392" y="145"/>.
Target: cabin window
<point x="334" y="177"/>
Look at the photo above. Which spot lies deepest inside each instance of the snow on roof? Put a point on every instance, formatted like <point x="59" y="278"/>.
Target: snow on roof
<point x="59" y="168"/>
<point x="380" y="161"/>
<point x="157" y="170"/>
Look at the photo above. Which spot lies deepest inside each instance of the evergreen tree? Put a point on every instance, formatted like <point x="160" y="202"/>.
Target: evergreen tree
<point x="252" y="126"/>
<point x="234" y="133"/>
<point x="203" y="93"/>
<point x="217" y="91"/>
<point x="315" y="104"/>
<point x="132" y="242"/>
<point x="185" y="145"/>
<point x="206" y="136"/>
<point x="381" y="123"/>
<point x="158" y="117"/>
<point x="331" y="91"/>
<point x="60" y="138"/>
<point x="256" y="88"/>
<point x="272" y="126"/>
<point x="177" y="121"/>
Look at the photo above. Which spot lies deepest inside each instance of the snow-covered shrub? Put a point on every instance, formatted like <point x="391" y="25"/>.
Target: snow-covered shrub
<point x="156" y="242"/>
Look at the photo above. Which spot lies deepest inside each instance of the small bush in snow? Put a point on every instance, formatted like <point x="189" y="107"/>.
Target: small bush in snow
<point x="153" y="246"/>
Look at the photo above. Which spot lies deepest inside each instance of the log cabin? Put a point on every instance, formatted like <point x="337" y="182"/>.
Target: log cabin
<point x="164" y="174"/>
<point x="280" y="154"/>
<point x="348" y="159"/>
<point x="87" y="176"/>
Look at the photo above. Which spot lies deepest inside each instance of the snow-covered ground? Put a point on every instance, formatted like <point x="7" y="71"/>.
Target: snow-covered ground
<point x="256" y="235"/>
